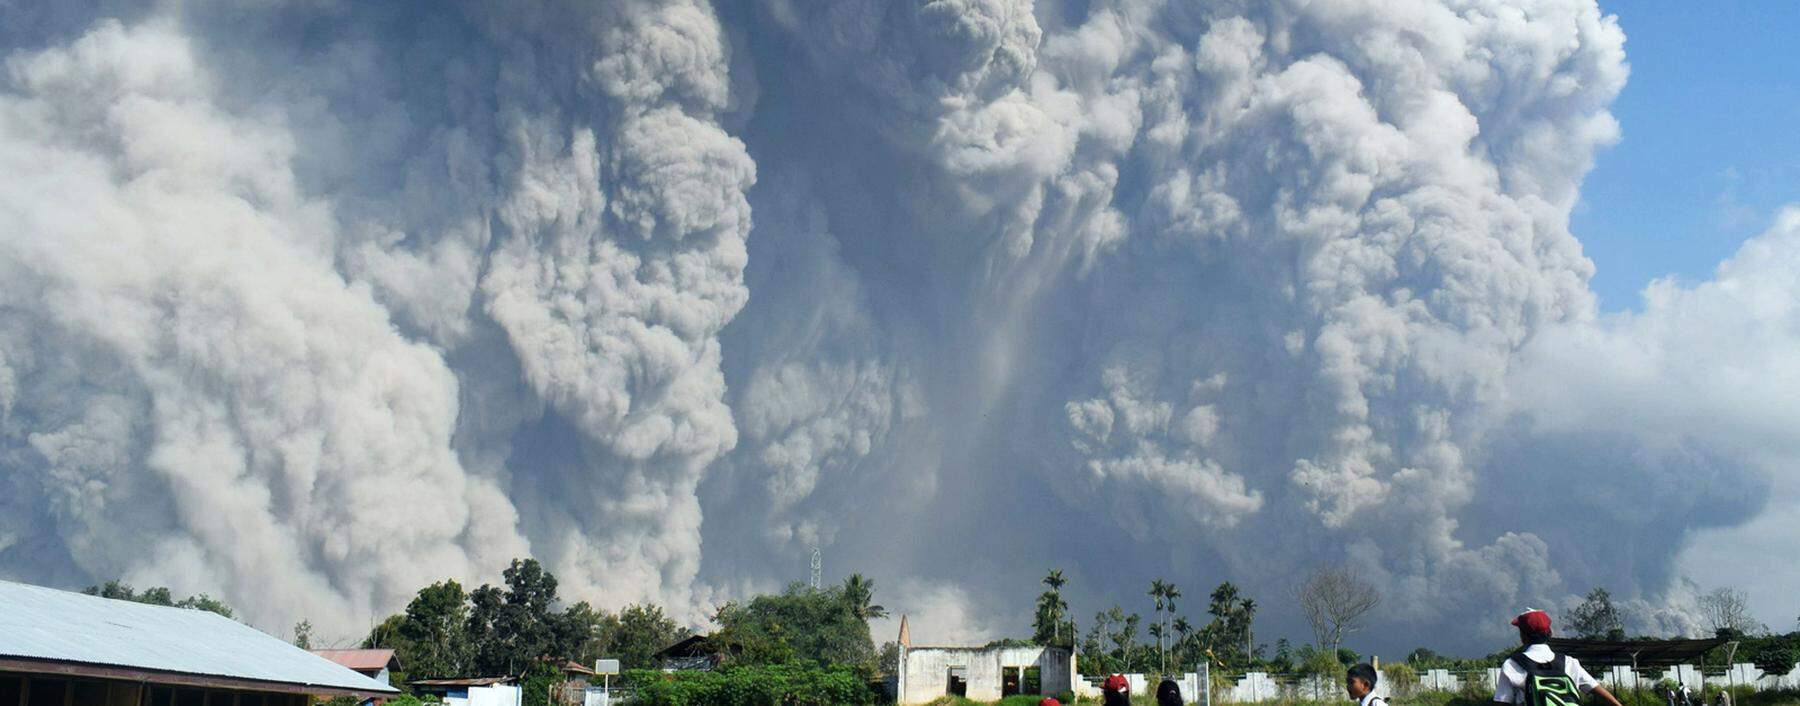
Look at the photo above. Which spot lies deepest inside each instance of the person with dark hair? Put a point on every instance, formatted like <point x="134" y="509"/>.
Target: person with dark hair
<point x="1360" y="681"/>
<point x="1116" y="691"/>
<point x="1168" y="693"/>
<point x="1537" y="676"/>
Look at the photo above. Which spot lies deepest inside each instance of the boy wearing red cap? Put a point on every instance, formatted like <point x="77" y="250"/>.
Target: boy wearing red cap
<point x="1115" y="691"/>
<point x="1537" y="676"/>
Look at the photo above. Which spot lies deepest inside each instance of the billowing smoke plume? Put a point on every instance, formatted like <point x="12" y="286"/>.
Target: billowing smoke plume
<point x="348" y="298"/>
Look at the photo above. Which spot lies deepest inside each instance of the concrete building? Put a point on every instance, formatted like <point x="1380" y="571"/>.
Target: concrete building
<point x="980" y="673"/>
<point x="481" y="691"/>
<point x="59" y="648"/>
<point x="374" y="664"/>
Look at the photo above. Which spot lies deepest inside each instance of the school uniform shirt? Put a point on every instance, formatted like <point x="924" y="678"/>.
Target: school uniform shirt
<point x="1370" y="699"/>
<point x="1510" y="687"/>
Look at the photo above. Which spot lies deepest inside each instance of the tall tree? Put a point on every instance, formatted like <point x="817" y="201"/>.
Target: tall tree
<point x="584" y="634"/>
<point x="1156" y="632"/>
<point x="1099" y="660"/>
<point x="1049" y="624"/>
<point x="1170" y="593"/>
<point x="1184" y="639"/>
<point x="492" y="653"/>
<point x="859" y="594"/>
<point x="1126" y="638"/>
<point x="1335" y="601"/>
<point x="1159" y="590"/>
<point x="431" y="636"/>
<point x="1228" y="635"/>
<point x="1247" y="609"/>
<point x="797" y="623"/>
<point x="1596" y="618"/>
<point x="1727" y="611"/>
<point x="643" y="630"/>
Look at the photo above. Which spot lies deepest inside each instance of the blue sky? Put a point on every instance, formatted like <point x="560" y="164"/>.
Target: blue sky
<point x="1710" y="143"/>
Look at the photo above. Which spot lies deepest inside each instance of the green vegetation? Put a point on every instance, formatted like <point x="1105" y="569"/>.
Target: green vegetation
<point x="1052" y="626"/>
<point x="446" y="632"/>
<point x="800" y="625"/>
<point x="159" y="595"/>
<point x="774" y="645"/>
<point x="785" y="684"/>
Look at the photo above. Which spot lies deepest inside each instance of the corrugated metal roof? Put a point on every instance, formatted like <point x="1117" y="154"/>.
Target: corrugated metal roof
<point x="47" y="624"/>
<point x="373" y="660"/>
<point x="467" y="681"/>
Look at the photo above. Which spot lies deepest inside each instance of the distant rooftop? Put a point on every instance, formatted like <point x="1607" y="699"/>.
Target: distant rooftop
<point x="373" y="660"/>
<point x="468" y="681"/>
<point x="43" y="627"/>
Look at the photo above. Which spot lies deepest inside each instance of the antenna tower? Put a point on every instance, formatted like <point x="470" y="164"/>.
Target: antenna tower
<point x="818" y="569"/>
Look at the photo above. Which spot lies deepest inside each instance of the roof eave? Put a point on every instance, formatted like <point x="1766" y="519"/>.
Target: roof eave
<point x="121" y="673"/>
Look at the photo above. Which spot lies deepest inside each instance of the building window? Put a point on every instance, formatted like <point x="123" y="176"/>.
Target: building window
<point x="957" y="682"/>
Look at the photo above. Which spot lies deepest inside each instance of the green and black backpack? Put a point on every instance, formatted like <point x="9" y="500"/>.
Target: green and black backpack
<point x="1547" y="683"/>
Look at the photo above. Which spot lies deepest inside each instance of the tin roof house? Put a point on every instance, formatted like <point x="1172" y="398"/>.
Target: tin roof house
<point x="59" y="648"/>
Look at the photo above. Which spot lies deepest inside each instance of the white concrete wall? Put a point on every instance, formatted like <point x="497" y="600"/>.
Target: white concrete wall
<point x="496" y="695"/>
<point x="1261" y="686"/>
<point x="924" y="671"/>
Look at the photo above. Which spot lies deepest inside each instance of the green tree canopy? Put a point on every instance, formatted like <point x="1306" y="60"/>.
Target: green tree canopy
<point x="643" y="630"/>
<point x="1597" y="619"/>
<point x="159" y="595"/>
<point x="1051" y="626"/>
<point x="859" y="594"/>
<point x="799" y="623"/>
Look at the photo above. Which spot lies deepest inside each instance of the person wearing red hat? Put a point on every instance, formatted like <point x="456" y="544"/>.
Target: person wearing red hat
<point x="1116" y="691"/>
<point x="1537" y="676"/>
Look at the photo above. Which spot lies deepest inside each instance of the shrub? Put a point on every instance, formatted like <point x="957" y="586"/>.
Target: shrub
<point x="1401" y="679"/>
<point x="785" y="684"/>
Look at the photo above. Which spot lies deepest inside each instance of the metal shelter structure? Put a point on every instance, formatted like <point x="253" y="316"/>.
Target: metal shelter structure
<point x="1639" y="654"/>
<point x="1654" y="654"/>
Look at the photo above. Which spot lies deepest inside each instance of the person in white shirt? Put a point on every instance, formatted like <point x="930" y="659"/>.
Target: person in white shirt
<point x="1534" y="634"/>
<point x="1360" y="682"/>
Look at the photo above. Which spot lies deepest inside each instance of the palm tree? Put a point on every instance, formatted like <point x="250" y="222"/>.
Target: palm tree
<point x="1159" y="590"/>
<point x="1249" y="609"/>
<point x="1156" y="631"/>
<point x="859" y="594"/>
<point x="1184" y="632"/>
<point x="1054" y="604"/>
<point x="1170" y="593"/>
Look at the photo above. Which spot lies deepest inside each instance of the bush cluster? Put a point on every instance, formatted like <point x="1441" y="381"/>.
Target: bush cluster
<point x="771" y="685"/>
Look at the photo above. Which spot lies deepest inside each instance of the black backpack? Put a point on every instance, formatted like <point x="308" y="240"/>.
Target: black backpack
<point x="1546" y="683"/>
